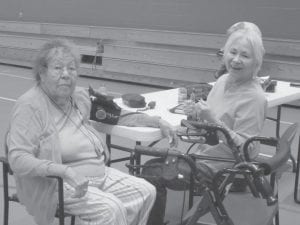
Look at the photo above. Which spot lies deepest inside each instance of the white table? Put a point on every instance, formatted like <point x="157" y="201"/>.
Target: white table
<point x="167" y="99"/>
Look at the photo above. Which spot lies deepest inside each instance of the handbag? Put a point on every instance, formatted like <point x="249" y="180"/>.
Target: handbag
<point x="103" y="109"/>
<point x="174" y="172"/>
<point x="134" y="100"/>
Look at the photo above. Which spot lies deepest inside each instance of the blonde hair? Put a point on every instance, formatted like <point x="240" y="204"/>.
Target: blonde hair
<point x="255" y="41"/>
<point x="243" y="25"/>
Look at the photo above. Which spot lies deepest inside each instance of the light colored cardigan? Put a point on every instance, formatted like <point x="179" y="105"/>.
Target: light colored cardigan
<point x="35" y="152"/>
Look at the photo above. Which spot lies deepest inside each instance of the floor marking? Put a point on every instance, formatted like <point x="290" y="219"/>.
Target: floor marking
<point x="118" y="94"/>
<point x="11" y="75"/>
<point x="8" y="99"/>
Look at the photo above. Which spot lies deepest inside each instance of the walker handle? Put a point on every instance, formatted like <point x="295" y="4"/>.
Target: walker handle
<point x="158" y="152"/>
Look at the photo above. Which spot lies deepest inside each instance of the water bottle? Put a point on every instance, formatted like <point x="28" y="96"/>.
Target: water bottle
<point x="193" y="95"/>
<point x="182" y="95"/>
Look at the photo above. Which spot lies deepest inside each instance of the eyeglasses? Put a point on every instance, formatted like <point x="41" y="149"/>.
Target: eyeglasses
<point x="220" y="52"/>
<point x="58" y="70"/>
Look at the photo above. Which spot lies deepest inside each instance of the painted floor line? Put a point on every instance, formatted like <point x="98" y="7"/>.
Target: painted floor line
<point x="30" y="78"/>
<point x="8" y="99"/>
<point x="11" y="75"/>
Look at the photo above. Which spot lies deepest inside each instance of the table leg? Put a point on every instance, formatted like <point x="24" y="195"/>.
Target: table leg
<point x="134" y="158"/>
<point x="138" y="159"/>
<point x="118" y="147"/>
<point x="297" y="176"/>
<point x="108" y="144"/>
<point x="278" y="119"/>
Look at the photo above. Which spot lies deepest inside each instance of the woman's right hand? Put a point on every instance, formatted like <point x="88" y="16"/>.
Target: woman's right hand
<point x="77" y="181"/>
<point x="168" y="131"/>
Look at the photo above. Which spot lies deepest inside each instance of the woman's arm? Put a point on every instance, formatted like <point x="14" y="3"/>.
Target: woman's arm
<point x="24" y="155"/>
<point x="24" y="143"/>
<point x="248" y="119"/>
<point x="144" y="120"/>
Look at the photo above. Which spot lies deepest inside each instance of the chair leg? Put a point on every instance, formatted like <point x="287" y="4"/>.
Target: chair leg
<point x="297" y="175"/>
<point x="5" y="213"/>
<point x="108" y="144"/>
<point x="294" y="163"/>
<point x="73" y="220"/>
<point x="6" y="197"/>
<point x="61" y="201"/>
<point x="277" y="218"/>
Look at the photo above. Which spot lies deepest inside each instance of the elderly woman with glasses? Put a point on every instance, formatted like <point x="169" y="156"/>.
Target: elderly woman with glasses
<point x="50" y="134"/>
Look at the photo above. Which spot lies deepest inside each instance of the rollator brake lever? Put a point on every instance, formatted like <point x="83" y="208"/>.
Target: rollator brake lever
<point x="265" y="189"/>
<point x="260" y="182"/>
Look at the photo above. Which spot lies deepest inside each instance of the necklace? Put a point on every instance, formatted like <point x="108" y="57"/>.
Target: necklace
<point x="67" y="114"/>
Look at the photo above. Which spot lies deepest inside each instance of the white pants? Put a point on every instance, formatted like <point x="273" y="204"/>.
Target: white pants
<point x="119" y="199"/>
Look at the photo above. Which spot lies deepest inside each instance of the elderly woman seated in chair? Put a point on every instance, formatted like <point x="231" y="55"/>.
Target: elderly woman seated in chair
<point x="236" y="102"/>
<point x="50" y="134"/>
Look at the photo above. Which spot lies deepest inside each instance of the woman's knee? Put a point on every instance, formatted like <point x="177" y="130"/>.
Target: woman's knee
<point x="103" y="210"/>
<point x="148" y="190"/>
<point x="114" y="209"/>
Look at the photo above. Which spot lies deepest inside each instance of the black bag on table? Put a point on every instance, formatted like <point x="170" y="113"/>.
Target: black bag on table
<point x="104" y="109"/>
<point x="134" y="100"/>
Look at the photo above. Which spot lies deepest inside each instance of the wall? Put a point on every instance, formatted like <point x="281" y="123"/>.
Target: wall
<point x="276" y="18"/>
<point x="163" y="42"/>
<point x="165" y="58"/>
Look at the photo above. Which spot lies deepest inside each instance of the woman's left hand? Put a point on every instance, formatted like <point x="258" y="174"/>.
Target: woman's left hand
<point x="204" y="112"/>
<point x="169" y="132"/>
<point x="77" y="181"/>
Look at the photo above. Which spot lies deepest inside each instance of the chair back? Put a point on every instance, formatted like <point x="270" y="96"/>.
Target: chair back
<point x="283" y="150"/>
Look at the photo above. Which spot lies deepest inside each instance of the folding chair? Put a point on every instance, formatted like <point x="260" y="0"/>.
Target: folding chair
<point x="12" y="197"/>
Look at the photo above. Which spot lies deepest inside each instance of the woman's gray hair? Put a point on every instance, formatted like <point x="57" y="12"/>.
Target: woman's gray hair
<point x="49" y="50"/>
<point x="243" y="25"/>
<point x="256" y="42"/>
